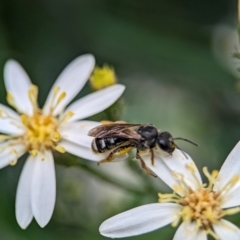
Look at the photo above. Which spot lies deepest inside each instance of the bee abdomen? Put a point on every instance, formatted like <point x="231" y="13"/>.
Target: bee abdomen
<point x="101" y="145"/>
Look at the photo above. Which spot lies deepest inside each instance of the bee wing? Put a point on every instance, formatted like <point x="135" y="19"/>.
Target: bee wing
<point x="126" y="133"/>
<point x="124" y="130"/>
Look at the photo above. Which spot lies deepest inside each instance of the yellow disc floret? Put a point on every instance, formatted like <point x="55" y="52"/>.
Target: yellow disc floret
<point x="41" y="131"/>
<point x="102" y="77"/>
<point x="202" y="206"/>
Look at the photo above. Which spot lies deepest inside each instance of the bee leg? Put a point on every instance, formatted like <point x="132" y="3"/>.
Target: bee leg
<point x="144" y="166"/>
<point x="109" y="158"/>
<point x="121" y="150"/>
<point x="152" y="156"/>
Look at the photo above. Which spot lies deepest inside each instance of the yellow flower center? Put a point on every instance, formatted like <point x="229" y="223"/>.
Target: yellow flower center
<point x="203" y="205"/>
<point x="40" y="131"/>
<point x="102" y="77"/>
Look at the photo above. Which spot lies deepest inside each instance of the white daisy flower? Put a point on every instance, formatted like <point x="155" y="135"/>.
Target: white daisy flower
<point x="200" y="207"/>
<point x="39" y="132"/>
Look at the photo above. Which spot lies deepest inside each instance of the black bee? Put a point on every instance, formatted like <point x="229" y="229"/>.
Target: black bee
<point x="118" y="138"/>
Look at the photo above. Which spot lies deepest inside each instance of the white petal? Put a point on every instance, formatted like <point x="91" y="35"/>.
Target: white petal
<point x="24" y="213"/>
<point x="162" y="171"/>
<point x="95" y="102"/>
<point x="18" y="84"/>
<point x="10" y="122"/>
<point x="6" y="127"/>
<point x="140" y="220"/>
<point x="226" y="230"/>
<point x="71" y="80"/>
<point x="232" y="197"/>
<point x="165" y="165"/>
<point x="229" y="169"/>
<point x="86" y="152"/>
<point x="189" y="231"/>
<point x="77" y="132"/>
<point x="10" y="153"/>
<point x="178" y="163"/>
<point x="43" y="190"/>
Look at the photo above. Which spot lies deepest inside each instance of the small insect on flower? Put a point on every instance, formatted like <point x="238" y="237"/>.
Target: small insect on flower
<point x="119" y="138"/>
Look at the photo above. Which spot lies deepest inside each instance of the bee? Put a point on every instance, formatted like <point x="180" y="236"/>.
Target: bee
<point x="120" y="137"/>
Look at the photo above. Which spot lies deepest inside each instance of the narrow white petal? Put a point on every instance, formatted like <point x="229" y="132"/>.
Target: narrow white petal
<point x="229" y="169"/>
<point x="232" y="197"/>
<point x="189" y="231"/>
<point x="77" y="132"/>
<point x="10" y="122"/>
<point x="165" y="166"/>
<point x="9" y="111"/>
<point x="86" y="152"/>
<point x="140" y="220"/>
<point x="6" y="127"/>
<point x="71" y="80"/>
<point x="162" y="171"/>
<point x="180" y="163"/>
<point x="10" y="153"/>
<point x="18" y="83"/>
<point x="43" y="189"/>
<point x="95" y="102"/>
<point x="24" y="213"/>
<point x="226" y="230"/>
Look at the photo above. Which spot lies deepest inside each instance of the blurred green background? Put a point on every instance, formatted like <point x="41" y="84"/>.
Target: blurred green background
<point x="167" y="54"/>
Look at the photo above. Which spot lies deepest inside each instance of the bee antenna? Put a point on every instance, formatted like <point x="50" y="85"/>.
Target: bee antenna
<point x="185" y="155"/>
<point x="186" y="140"/>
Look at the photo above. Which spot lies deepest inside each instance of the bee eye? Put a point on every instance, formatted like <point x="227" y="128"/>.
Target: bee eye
<point x="165" y="142"/>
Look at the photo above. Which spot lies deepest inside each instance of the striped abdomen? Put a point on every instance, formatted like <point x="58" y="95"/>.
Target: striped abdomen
<point x="101" y="145"/>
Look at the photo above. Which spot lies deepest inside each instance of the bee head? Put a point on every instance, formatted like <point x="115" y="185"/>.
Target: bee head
<point x="165" y="142"/>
